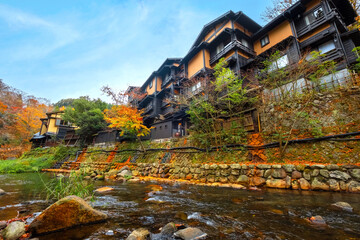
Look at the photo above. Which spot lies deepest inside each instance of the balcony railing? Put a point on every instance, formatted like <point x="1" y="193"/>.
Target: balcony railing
<point x="229" y="47"/>
<point x="167" y="80"/>
<point x="318" y="22"/>
<point x="149" y="108"/>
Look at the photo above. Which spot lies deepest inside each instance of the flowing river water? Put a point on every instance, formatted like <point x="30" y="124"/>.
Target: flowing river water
<point x="220" y="212"/>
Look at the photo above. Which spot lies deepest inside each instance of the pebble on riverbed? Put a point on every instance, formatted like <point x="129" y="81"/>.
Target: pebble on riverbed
<point x="14" y="230"/>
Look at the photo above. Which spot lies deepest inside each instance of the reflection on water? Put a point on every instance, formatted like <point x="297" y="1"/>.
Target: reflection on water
<point x="221" y="213"/>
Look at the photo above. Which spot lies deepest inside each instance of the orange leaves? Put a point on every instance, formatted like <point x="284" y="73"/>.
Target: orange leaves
<point x="127" y="119"/>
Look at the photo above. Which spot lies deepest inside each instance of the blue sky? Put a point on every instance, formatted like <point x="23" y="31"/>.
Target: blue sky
<point x="67" y="49"/>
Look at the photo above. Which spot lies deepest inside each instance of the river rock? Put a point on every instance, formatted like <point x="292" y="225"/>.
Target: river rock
<point x="279" y="183"/>
<point x="66" y="213"/>
<point x="257" y="181"/>
<point x="263" y="166"/>
<point x="324" y="173"/>
<point x="168" y="230"/>
<point x="104" y="189"/>
<point x="288" y="167"/>
<point x="353" y="187"/>
<point x="14" y="230"/>
<point x="307" y="174"/>
<point x="190" y="234"/>
<point x="334" y="185"/>
<point x="315" y="172"/>
<point x="139" y="234"/>
<point x="317" y="220"/>
<point x="319" y="184"/>
<point x="124" y="173"/>
<point x="2" y="192"/>
<point x="278" y="173"/>
<point x="332" y="167"/>
<point x="304" y="184"/>
<point x="296" y="175"/>
<point x="235" y="166"/>
<point x="243" y="179"/>
<point x="3" y="224"/>
<point x="355" y="173"/>
<point x="339" y="175"/>
<point x="343" y="206"/>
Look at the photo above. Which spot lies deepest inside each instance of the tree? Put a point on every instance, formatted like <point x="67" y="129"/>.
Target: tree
<point x="278" y="7"/>
<point x="67" y="102"/>
<point x="128" y="120"/>
<point x="221" y="103"/>
<point x="356" y="5"/>
<point x="87" y="115"/>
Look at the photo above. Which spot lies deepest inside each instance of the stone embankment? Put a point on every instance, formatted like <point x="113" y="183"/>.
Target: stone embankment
<point x="331" y="177"/>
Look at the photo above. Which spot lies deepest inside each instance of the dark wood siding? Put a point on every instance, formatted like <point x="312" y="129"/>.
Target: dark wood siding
<point x="162" y="130"/>
<point x="349" y="46"/>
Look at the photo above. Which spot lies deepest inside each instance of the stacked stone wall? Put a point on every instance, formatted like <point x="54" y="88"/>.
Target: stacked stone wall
<point x="331" y="177"/>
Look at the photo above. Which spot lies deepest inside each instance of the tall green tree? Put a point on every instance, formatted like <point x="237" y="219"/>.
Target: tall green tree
<point x="88" y="115"/>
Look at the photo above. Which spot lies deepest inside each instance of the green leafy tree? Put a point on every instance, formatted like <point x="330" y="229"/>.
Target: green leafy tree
<point x="223" y="98"/>
<point x="88" y="116"/>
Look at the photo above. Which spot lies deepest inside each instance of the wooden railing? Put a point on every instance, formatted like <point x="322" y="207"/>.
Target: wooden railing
<point x="318" y="22"/>
<point x="229" y="47"/>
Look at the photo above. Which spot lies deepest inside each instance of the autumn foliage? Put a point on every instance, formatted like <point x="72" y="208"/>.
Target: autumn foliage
<point x="126" y="119"/>
<point x="19" y="119"/>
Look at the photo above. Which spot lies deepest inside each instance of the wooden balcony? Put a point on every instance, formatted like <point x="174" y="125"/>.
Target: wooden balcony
<point x="318" y="22"/>
<point x="232" y="45"/>
<point x="167" y="80"/>
<point x="149" y="108"/>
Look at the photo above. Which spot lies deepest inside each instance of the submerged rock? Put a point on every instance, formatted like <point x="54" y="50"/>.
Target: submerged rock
<point x="343" y="206"/>
<point x="104" y="189"/>
<point x="317" y="221"/>
<point x="68" y="212"/>
<point x="190" y="234"/>
<point x="14" y="231"/>
<point x="139" y="234"/>
<point x="2" y="224"/>
<point x="2" y="192"/>
<point x="168" y="230"/>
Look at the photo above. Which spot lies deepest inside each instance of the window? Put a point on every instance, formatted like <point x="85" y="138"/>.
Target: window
<point x="244" y="42"/>
<point x="264" y="41"/>
<point x="219" y="47"/>
<point x="313" y="16"/>
<point x="151" y="84"/>
<point x="57" y="122"/>
<point x="280" y="63"/>
<point x="196" y="87"/>
<point x="327" y="47"/>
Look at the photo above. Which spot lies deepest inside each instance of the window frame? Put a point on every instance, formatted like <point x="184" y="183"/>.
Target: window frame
<point x="151" y="84"/>
<point x="266" y="37"/>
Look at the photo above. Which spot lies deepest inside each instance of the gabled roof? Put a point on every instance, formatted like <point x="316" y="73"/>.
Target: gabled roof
<point x="167" y="63"/>
<point x="238" y="17"/>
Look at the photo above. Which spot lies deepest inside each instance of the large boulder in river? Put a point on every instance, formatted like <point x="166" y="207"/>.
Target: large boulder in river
<point x="66" y="213"/>
<point x="14" y="230"/>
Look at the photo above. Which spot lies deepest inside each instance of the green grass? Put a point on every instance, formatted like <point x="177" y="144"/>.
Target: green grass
<point x="36" y="159"/>
<point x="74" y="184"/>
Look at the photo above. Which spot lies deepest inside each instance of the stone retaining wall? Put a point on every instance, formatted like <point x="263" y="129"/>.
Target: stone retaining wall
<point x="300" y="177"/>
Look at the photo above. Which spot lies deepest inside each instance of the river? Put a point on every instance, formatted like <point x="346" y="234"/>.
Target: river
<point x="220" y="212"/>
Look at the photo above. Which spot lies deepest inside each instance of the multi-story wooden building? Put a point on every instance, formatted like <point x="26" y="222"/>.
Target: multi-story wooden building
<point x="54" y="129"/>
<point x="306" y="26"/>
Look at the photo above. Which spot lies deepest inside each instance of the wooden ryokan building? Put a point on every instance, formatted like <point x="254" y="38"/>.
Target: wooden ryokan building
<point x="306" y="26"/>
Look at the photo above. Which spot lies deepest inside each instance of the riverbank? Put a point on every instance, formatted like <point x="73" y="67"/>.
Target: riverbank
<point x="222" y="213"/>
